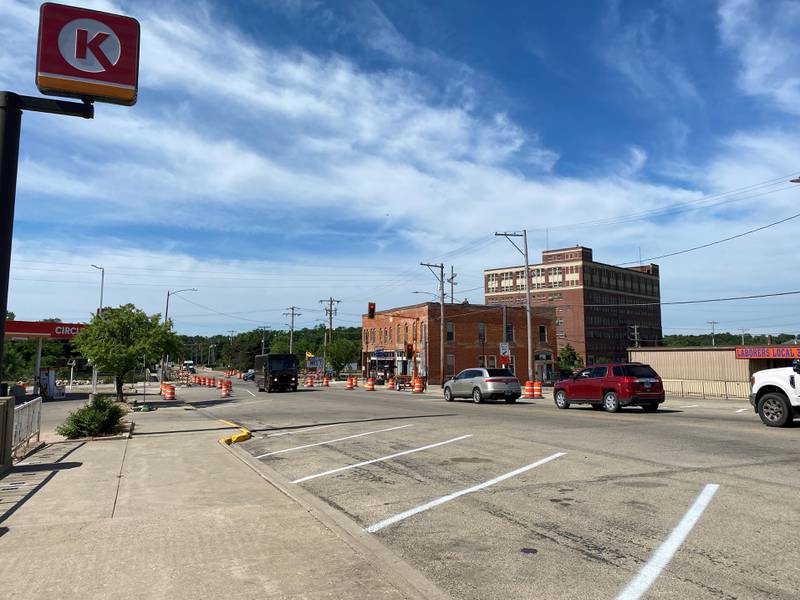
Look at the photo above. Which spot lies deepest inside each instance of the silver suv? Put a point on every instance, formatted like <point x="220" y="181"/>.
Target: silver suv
<point x="479" y="384"/>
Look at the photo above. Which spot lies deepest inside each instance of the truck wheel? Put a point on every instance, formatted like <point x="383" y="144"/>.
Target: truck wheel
<point x="775" y="410"/>
<point x="611" y="402"/>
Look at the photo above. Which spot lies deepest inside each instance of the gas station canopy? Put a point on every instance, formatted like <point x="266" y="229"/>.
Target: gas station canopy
<point x="43" y="330"/>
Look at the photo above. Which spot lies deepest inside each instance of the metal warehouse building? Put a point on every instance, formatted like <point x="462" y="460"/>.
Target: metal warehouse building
<point x="722" y="372"/>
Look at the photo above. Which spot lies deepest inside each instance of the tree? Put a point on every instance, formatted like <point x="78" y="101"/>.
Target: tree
<point x="119" y="339"/>
<point x="10" y="316"/>
<point x="341" y="352"/>
<point x="569" y="359"/>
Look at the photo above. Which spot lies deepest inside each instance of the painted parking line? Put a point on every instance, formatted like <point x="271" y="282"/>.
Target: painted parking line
<point x="304" y="429"/>
<point x="382" y="458"/>
<point x="639" y="585"/>
<point x="690" y="406"/>
<point x="411" y="512"/>
<point x="251" y="393"/>
<point x="741" y="410"/>
<point x="349" y="437"/>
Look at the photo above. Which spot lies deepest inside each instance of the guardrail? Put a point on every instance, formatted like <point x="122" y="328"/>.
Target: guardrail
<point x="27" y="425"/>
<point x="704" y="388"/>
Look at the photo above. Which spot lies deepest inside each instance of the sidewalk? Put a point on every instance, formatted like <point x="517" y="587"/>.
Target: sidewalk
<point x="171" y="513"/>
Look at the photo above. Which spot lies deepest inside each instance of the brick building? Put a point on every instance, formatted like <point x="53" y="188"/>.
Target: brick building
<point x="473" y="333"/>
<point x="587" y="297"/>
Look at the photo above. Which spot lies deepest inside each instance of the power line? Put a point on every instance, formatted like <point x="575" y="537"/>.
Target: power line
<point x="714" y="243"/>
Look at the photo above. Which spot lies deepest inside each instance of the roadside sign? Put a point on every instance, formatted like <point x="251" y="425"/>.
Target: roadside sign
<point x="504" y="351"/>
<point x="87" y="54"/>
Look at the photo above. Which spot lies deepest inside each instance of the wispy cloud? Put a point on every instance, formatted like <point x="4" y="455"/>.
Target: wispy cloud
<point x="764" y="38"/>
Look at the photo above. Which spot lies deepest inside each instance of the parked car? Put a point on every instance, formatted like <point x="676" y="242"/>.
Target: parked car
<point x="612" y="386"/>
<point x="774" y="395"/>
<point x="250" y="375"/>
<point x="480" y="384"/>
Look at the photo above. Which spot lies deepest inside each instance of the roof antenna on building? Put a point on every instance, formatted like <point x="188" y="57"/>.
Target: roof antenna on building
<point x="640" y="256"/>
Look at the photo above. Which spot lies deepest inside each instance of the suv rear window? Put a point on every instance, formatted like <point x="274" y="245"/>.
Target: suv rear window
<point x="640" y="371"/>
<point x="500" y="373"/>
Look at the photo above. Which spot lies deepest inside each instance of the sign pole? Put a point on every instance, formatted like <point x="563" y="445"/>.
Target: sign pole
<point x="10" y="125"/>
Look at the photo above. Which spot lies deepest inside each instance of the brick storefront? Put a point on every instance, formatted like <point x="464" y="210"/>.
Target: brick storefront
<point x="473" y="333"/>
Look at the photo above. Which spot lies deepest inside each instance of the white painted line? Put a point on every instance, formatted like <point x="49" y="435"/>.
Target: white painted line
<point x="349" y="437"/>
<point x="251" y="393"/>
<point x="690" y="406"/>
<point x="741" y="410"/>
<point x="661" y="557"/>
<point x="382" y="458"/>
<point x="409" y="513"/>
<point x="304" y="429"/>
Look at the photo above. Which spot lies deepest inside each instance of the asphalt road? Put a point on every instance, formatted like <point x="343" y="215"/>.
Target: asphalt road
<point x="576" y="504"/>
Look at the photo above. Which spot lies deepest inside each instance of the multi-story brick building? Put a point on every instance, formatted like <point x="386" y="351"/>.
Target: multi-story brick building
<point x="473" y="333"/>
<point x="594" y="302"/>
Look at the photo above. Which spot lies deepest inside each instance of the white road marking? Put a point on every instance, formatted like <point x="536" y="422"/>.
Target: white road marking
<point x="741" y="410"/>
<point x="409" y="513"/>
<point x="251" y="393"/>
<point x="382" y="458"/>
<point x="639" y="585"/>
<point x="349" y="437"/>
<point x="690" y="406"/>
<point x="304" y="429"/>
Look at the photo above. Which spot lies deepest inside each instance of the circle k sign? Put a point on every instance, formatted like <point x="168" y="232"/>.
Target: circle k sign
<point x="87" y="54"/>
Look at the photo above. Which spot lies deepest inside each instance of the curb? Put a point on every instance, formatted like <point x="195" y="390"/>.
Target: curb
<point x="243" y="435"/>
<point x="407" y="579"/>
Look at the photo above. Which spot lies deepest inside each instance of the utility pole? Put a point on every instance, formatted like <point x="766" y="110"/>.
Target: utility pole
<point x="330" y="310"/>
<point x="263" y="338"/>
<point x="713" y="323"/>
<point x="452" y="281"/>
<point x="743" y="330"/>
<point x="293" y="313"/>
<point x="99" y="312"/>
<point x="440" y="277"/>
<point x="524" y="235"/>
<point x="635" y="335"/>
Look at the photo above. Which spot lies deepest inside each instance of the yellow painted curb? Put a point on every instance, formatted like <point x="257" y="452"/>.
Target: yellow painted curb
<point x="243" y="435"/>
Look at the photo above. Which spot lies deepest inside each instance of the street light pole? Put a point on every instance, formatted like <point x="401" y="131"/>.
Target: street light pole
<point x="99" y="312"/>
<point x="524" y="235"/>
<point x="164" y="361"/>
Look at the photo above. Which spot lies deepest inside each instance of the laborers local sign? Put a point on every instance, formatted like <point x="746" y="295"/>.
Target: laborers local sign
<point x="43" y="329"/>
<point x="87" y="54"/>
<point x="768" y="352"/>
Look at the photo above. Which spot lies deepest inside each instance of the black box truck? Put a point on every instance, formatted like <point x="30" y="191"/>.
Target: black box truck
<point x="276" y="372"/>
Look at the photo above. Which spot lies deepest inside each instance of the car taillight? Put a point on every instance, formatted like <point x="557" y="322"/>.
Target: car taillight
<point x="629" y="379"/>
<point x="499" y="380"/>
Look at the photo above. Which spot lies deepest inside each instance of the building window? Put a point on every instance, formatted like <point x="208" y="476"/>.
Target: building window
<point x="451" y="365"/>
<point x="390" y="334"/>
<point x="511" y="364"/>
<point x="543" y="333"/>
<point x="451" y="332"/>
<point x="509" y="332"/>
<point x="482" y="361"/>
<point x="414" y="331"/>
<point x="491" y="361"/>
<point x="422" y="332"/>
<point x="405" y="334"/>
<point x="481" y="333"/>
<point x="398" y="333"/>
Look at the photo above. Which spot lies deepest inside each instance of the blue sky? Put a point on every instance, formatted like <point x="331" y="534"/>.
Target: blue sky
<point x="284" y="152"/>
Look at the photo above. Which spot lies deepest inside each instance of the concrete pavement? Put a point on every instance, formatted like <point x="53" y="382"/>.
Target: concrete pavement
<point x="171" y="513"/>
<point x="586" y="524"/>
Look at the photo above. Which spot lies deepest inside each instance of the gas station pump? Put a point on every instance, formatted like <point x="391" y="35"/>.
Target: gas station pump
<point x="47" y="385"/>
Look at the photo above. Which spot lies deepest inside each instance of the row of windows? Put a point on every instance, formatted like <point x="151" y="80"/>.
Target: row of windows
<point x="616" y="280"/>
<point x="488" y="361"/>
<point x="509" y="337"/>
<point x="385" y="335"/>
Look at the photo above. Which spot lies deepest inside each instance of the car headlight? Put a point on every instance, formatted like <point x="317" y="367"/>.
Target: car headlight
<point x="276" y="379"/>
<point x="294" y="379"/>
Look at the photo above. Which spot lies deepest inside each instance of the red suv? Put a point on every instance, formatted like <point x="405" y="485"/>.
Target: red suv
<point x="611" y="387"/>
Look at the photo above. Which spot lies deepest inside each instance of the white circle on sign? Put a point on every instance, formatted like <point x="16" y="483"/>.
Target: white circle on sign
<point x="89" y="45"/>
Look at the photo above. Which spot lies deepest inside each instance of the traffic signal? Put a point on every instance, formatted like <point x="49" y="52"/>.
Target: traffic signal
<point x="409" y="351"/>
<point x="371" y="310"/>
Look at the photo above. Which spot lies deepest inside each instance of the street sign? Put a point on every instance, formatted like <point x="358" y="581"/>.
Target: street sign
<point x="504" y="351"/>
<point x="87" y="54"/>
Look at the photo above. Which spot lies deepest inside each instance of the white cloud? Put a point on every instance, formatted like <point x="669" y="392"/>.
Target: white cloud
<point x="764" y="37"/>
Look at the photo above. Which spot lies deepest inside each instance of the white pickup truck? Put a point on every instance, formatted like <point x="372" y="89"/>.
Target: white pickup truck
<point x="775" y="395"/>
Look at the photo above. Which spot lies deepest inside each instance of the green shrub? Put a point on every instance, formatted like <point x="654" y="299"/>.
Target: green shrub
<point x="99" y="417"/>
